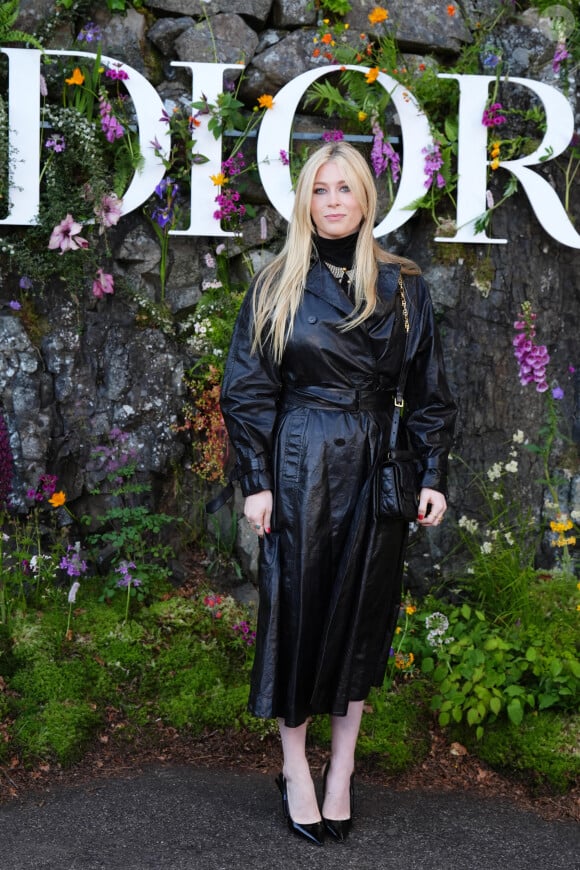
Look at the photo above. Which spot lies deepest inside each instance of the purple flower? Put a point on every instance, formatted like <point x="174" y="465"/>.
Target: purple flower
<point x="25" y="283"/>
<point x="15" y="305"/>
<point x="65" y="236"/>
<point x="234" y="165"/>
<point x="491" y="60"/>
<point x="126" y="578"/>
<point x="532" y="358"/>
<point x="89" y="33"/>
<point x="333" y="135"/>
<point x="560" y="55"/>
<point x="383" y="155"/>
<point x="103" y="284"/>
<point x="109" y="123"/>
<point x="558" y="393"/>
<point x="491" y="116"/>
<point x="285" y="160"/>
<point x="117" y="74"/>
<point x="72" y="562"/>
<point x="56" y="143"/>
<point x="108" y="211"/>
<point x="433" y="163"/>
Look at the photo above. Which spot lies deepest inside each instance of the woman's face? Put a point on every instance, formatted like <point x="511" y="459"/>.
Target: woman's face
<point x="335" y="211"/>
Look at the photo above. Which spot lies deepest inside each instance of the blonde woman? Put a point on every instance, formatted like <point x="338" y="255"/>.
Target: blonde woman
<point x="307" y="398"/>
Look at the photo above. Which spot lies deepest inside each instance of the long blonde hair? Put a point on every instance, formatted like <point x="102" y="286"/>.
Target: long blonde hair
<point x="279" y="287"/>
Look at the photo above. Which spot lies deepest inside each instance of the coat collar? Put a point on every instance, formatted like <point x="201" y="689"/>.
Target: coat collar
<point x="320" y="283"/>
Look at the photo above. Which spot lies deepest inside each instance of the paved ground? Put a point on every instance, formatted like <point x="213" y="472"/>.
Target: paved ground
<point x="187" y="818"/>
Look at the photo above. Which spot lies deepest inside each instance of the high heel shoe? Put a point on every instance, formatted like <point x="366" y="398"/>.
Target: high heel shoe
<point x="338" y="828"/>
<point x="314" y="832"/>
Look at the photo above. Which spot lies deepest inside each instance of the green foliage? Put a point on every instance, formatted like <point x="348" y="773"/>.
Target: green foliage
<point x="543" y="748"/>
<point x="396" y="729"/>
<point x="482" y="672"/>
<point x="9" y="12"/>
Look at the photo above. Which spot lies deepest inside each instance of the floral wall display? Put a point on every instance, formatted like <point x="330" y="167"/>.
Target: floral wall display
<point x="118" y="320"/>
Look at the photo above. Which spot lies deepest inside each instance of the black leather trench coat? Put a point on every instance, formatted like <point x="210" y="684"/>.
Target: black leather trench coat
<point x="310" y="429"/>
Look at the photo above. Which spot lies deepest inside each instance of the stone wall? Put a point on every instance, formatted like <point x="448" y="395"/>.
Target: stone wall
<point x="97" y="367"/>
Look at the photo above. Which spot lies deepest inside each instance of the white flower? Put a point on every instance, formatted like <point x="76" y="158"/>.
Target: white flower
<point x="518" y="437"/>
<point x="486" y="547"/>
<point x="470" y="526"/>
<point x="512" y="466"/>
<point x="497" y="496"/>
<point x="72" y="593"/>
<point x="509" y="538"/>
<point x="470" y="571"/>
<point x="575" y="515"/>
<point x="495" y="471"/>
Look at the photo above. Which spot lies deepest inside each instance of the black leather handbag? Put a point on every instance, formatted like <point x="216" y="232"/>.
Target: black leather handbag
<point x="398" y="477"/>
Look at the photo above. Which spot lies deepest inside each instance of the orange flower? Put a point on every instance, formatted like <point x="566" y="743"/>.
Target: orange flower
<point x="421" y="67"/>
<point x="372" y="75"/>
<point x="266" y="101"/>
<point x="451" y="10"/>
<point x="378" y="15"/>
<point x="77" y="77"/>
<point x="326" y="39"/>
<point x="57" y="499"/>
<point x="316" y="52"/>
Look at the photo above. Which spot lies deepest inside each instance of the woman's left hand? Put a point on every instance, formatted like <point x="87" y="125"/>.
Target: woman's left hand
<point x="432" y="507"/>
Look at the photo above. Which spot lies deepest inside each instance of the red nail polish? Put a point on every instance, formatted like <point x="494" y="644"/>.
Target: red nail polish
<point x="420" y="516"/>
<point x="267" y="531"/>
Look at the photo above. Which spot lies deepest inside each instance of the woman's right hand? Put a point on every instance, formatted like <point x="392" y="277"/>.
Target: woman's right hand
<point x="258" y="511"/>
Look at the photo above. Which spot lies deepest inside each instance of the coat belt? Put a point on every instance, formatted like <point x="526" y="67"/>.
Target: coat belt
<point x="337" y="398"/>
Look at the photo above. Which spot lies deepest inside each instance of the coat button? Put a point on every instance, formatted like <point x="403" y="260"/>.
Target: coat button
<point x="312" y="319"/>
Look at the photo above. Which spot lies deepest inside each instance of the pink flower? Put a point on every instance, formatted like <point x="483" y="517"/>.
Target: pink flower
<point x="102" y="284"/>
<point x="108" y="212"/>
<point x="65" y="236"/>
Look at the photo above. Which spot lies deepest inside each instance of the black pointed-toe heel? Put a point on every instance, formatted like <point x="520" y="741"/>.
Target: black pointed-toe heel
<point x="314" y="832"/>
<point x="338" y="828"/>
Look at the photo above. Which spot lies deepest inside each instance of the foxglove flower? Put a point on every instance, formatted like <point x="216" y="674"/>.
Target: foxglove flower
<point x="66" y="236"/>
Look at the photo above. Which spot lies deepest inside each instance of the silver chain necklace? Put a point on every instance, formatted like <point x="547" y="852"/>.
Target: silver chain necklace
<point x="340" y="271"/>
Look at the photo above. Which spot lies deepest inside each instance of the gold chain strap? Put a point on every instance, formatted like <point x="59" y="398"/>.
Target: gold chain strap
<point x="404" y="303"/>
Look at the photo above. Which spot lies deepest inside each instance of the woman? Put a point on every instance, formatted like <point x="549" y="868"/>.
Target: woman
<point x="307" y="398"/>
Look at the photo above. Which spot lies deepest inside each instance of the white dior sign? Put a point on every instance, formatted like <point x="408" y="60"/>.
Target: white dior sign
<point x="275" y="134"/>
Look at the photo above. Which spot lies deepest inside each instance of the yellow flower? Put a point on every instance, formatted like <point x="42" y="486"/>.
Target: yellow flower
<point x="219" y="179"/>
<point x="495" y="163"/>
<point x="398" y="629"/>
<point x="266" y="101"/>
<point x="378" y="15"/>
<point x="77" y="77"/>
<point x="372" y="75"/>
<point x="362" y="116"/>
<point x="326" y="20"/>
<point x="57" y="499"/>
<point x="410" y="609"/>
<point x="578" y="586"/>
<point x="561" y="527"/>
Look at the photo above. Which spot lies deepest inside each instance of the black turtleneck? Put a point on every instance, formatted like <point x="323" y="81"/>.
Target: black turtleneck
<point x="339" y="252"/>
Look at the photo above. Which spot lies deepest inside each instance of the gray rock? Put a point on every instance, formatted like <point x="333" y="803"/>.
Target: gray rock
<point x="255" y="9"/>
<point x="274" y="67"/>
<point x="223" y="38"/>
<point x="166" y="30"/>
<point x="418" y="26"/>
<point x="293" y="13"/>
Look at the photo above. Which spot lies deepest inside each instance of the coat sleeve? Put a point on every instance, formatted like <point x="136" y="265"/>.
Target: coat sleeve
<point x="431" y="411"/>
<point x="248" y="399"/>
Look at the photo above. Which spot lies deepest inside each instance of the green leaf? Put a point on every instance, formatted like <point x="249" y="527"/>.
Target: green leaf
<point x="495" y="705"/>
<point x="479" y="732"/>
<point x="444" y="719"/>
<point x="555" y="667"/>
<point x="473" y="716"/>
<point x="531" y="654"/>
<point x="515" y="711"/>
<point x="427" y="665"/>
<point x="466" y="611"/>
